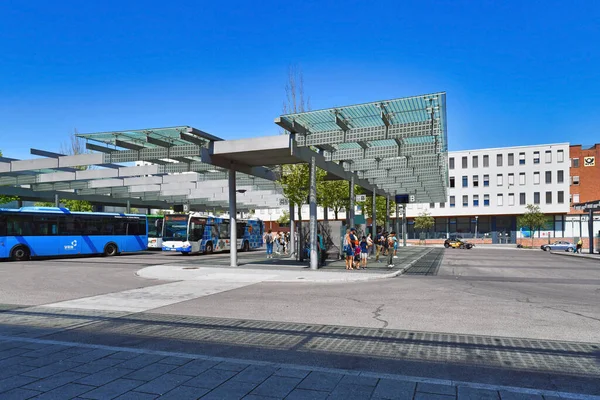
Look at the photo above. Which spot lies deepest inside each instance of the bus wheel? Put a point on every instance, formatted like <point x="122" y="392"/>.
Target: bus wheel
<point x="110" y="250"/>
<point x="20" y="253"/>
<point x="246" y="246"/>
<point x="209" y="248"/>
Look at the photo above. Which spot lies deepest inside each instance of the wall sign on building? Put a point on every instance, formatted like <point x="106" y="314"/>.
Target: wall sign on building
<point x="589" y="161"/>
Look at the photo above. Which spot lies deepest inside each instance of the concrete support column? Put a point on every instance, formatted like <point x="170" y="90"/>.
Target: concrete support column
<point x="56" y="201"/>
<point x="19" y="203"/>
<point x="591" y="230"/>
<point x="292" y="243"/>
<point x="314" y="251"/>
<point x="351" y="208"/>
<point x="374" y="215"/>
<point x="232" y="218"/>
<point x="387" y="213"/>
<point x="404" y="229"/>
<point x="128" y="207"/>
<point x="397" y="228"/>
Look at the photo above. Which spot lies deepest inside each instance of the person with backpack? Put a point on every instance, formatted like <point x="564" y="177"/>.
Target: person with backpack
<point x="379" y="245"/>
<point x="364" y="252"/>
<point x="268" y="238"/>
<point x="390" y="245"/>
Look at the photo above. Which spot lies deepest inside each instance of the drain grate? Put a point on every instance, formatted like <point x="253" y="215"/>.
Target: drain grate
<point x="428" y="264"/>
<point x="190" y="268"/>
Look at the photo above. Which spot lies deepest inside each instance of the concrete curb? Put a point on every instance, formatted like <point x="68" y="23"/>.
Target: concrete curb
<point x="417" y="379"/>
<point x="576" y="256"/>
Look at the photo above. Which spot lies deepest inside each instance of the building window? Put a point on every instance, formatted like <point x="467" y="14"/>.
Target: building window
<point x="475" y="162"/>
<point x="442" y="205"/>
<point x="511" y="179"/>
<point x="486" y="200"/>
<point x="560" y="156"/>
<point x="548" y="156"/>
<point x="500" y="200"/>
<point x="521" y="178"/>
<point x="521" y="158"/>
<point x="575" y="162"/>
<point x="465" y="201"/>
<point x="486" y="180"/>
<point x="452" y="183"/>
<point x="548" y="176"/>
<point x="560" y="176"/>
<point x="465" y="181"/>
<point x="475" y="200"/>
<point x="548" y="197"/>
<point x="522" y="199"/>
<point x="536" y="178"/>
<point x="452" y="201"/>
<point x="511" y="159"/>
<point x="511" y="199"/>
<point x="561" y="197"/>
<point x="475" y="180"/>
<point x="431" y="205"/>
<point x="576" y="198"/>
<point x="464" y="162"/>
<point x="499" y="180"/>
<point x="536" y="157"/>
<point x="498" y="160"/>
<point x="486" y="161"/>
<point x="451" y="163"/>
<point x="536" y="197"/>
<point x="575" y="180"/>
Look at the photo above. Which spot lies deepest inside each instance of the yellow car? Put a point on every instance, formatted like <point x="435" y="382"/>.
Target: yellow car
<point x="458" y="244"/>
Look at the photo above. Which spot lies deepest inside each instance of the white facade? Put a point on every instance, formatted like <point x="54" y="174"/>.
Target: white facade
<point x="503" y="181"/>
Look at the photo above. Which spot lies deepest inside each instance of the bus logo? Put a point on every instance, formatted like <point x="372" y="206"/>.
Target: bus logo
<point x="71" y="246"/>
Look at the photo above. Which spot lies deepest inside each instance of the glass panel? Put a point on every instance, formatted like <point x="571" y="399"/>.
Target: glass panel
<point x="175" y="227"/>
<point x="511" y="159"/>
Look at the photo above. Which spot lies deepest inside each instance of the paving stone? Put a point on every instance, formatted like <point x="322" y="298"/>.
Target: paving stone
<point x="9" y="345"/>
<point x="305" y="394"/>
<point x="54" y="381"/>
<point x="92" y="356"/>
<point x="256" y="397"/>
<point x="211" y="379"/>
<point x="8" y="353"/>
<point x="19" y="394"/>
<point x="151" y="372"/>
<point x="104" y="377"/>
<point x="112" y="389"/>
<point x="55" y="368"/>
<point x="436" y="389"/>
<point x="392" y="389"/>
<point x="345" y="391"/>
<point x="163" y="384"/>
<point x="32" y="346"/>
<point x="230" y="390"/>
<point x="65" y="392"/>
<point x="141" y="361"/>
<point x="136" y="396"/>
<point x="44" y="351"/>
<point x="432" y="396"/>
<point x="505" y="395"/>
<point x="15" y="382"/>
<point x="45" y="360"/>
<point x="254" y="374"/>
<point x="292" y="373"/>
<point x="230" y="366"/>
<point x="195" y="367"/>
<point x="176" y="360"/>
<point x="14" y="370"/>
<point x="124" y="355"/>
<point x="97" y="366"/>
<point x="359" y="380"/>
<point x="467" y="393"/>
<point x="277" y="386"/>
<point x="324" y="381"/>
<point x="185" y="393"/>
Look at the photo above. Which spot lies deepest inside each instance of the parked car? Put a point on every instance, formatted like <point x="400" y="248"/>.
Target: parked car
<point x="457" y="243"/>
<point x="558" y="246"/>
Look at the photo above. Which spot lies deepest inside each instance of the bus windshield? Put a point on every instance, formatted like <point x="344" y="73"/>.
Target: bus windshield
<point x="175" y="228"/>
<point x="155" y="226"/>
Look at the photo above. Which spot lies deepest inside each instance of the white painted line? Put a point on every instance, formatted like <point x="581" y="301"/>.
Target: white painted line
<point x="474" y="385"/>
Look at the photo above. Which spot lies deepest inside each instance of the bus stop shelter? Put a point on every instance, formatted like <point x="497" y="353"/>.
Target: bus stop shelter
<point x="389" y="148"/>
<point x="590" y="207"/>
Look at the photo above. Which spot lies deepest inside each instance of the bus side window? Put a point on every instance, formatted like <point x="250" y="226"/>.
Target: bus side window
<point x="224" y="230"/>
<point x="45" y="225"/>
<point x="2" y="225"/>
<point x="20" y="225"/>
<point x="214" y="231"/>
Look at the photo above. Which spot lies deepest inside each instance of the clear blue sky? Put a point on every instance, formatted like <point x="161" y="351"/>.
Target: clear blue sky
<point x="515" y="72"/>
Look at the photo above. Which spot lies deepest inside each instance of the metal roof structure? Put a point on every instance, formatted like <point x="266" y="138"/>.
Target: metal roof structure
<point x="399" y="146"/>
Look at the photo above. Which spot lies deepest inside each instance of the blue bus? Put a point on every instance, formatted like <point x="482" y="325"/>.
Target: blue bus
<point x="50" y="231"/>
<point x="198" y="233"/>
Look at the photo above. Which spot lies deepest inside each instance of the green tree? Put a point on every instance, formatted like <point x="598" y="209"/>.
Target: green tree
<point x="6" y="199"/>
<point x="534" y="220"/>
<point x="380" y="207"/>
<point x="334" y="196"/>
<point x="284" y="219"/>
<point x="424" y="221"/>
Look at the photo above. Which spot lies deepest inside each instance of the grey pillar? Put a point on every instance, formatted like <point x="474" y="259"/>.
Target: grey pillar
<point x="19" y="203"/>
<point x="314" y="251"/>
<point x="404" y="230"/>
<point x="351" y="208"/>
<point x="591" y="230"/>
<point x="374" y="215"/>
<point x="397" y="228"/>
<point x="232" y="218"/>
<point x="292" y="244"/>
<point x="128" y="207"/>
<point x="387" y="213"/>
<point x="56" y="201"/>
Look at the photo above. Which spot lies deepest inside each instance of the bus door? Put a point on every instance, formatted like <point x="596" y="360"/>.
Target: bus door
<point x="241" y="234"/>
<point x="3" y="240"/>
<point x="196" y="233"/>
<point x="224" y="236"/>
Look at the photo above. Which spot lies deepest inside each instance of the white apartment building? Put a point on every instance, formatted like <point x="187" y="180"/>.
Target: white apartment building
<point x="489" y="188"/>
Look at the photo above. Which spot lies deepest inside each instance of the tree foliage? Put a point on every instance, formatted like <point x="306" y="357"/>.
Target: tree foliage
<point x="334" y="196"/>
<point x="424" y="221"/>
<point x="284" y="219"/>
<point x="295" y="180"/>
<point x="380" y="208"/>
<point x="534" y="220"/>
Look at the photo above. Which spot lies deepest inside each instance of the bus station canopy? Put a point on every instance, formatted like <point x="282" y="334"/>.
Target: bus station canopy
<point x="389" y="147"/>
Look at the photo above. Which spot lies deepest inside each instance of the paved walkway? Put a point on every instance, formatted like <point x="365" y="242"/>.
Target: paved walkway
<point x="46" y="369"/>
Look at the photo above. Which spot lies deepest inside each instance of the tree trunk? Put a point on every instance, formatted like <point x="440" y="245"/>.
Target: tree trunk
<point x="335" y="212"/>
<point x="300" y="240"/>
<point x="531" y="231"/>
<point x="325" y="213"/>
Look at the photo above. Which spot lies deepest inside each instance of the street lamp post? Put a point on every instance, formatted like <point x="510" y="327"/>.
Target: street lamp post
<point x="476" y="225"/>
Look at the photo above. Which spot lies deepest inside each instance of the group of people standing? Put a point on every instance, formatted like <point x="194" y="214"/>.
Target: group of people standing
<point x="357" y="252"/>
<point x="278" y="241"/>
<point x="387" y="245"/>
